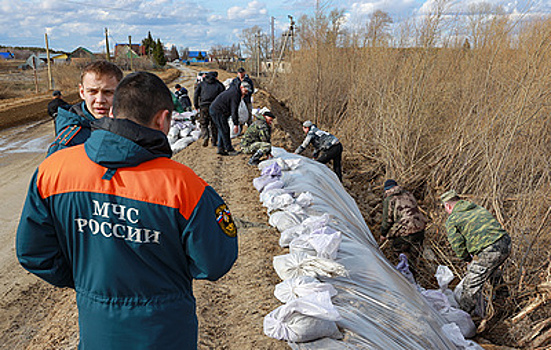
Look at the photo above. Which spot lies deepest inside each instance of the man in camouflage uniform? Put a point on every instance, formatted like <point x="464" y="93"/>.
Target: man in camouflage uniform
<point x="257" y="138"/>
<point x="403" y="223"/>
<point x="477" y="238"/>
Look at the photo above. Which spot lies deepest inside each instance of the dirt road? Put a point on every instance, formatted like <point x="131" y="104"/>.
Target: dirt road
<point x="36" y="315"/>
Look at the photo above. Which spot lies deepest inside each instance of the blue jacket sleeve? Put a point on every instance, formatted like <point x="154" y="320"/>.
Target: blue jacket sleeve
<point x="210" y="238"/>
<point x="37" y="245"/>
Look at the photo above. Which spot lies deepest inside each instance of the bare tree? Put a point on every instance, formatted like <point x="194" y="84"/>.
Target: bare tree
<point x="184" y="53"/>
<point x="377" y="29"/>
<point x="224" y="55"/>
<point x="173" y="54"/>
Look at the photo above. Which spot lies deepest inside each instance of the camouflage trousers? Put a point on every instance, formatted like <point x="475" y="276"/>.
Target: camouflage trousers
<point x="484" y="266"/>
<point x="265" y="147"/>
<point x="412" y="247"/>
<point x="207" y="125"/>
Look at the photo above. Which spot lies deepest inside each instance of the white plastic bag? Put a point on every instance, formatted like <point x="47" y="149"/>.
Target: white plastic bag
<point x="243" y="113"/>
<point x="444" y="276"/>
<point x="283" y="220"/>
<point x="305" y="319"/>
<point x="301" y="264"/>
<point x="305" y="199"/>
<point x="310" y="224"/>
<point x="318" y="243"/>
<point x="301" y="286"/>
<point x="453" y="333"/>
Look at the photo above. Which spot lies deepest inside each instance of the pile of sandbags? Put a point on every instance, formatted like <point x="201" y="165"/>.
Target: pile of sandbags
<point x="183" y="131"/>
<point x="334" y="273"/>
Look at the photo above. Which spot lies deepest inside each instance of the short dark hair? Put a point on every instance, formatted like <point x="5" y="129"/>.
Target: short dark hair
<point x="102" y="68"/>
<point x="241" y="70"/>
<point x="139" y="96"/>
<point x="177" y="86"/>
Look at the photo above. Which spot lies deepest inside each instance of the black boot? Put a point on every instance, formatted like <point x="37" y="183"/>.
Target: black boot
<point x="255" y="159"/>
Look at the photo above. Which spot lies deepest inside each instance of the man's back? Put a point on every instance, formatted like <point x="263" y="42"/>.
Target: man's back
<point x="131" y="228"/>
<point x="402" y="216"/>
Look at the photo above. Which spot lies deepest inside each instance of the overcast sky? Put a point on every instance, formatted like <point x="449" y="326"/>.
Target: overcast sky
<point x="195" y="24"/>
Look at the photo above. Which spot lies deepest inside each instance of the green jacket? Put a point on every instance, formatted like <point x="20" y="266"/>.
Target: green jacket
<point x="471" y="228"/>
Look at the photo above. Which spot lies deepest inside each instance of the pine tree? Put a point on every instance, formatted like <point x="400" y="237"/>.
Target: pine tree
<point x="148" y="44"/>
<point x="159" y="53"/>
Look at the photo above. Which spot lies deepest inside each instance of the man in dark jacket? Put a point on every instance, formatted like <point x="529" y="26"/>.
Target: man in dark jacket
<point x="224" y="106"/>
<point x="257" y="138"/>
<point x="479" y="239"/>
<point x="182" y="96"/>
<point x="56" y="103"/>
<point x="98" y="81"/>
<point x="205" y="93"/>
<point x="326" y="146"/>
<point x="403" y="223"/>
<point x="127" y="227"/>
<point x="242" y="76"/>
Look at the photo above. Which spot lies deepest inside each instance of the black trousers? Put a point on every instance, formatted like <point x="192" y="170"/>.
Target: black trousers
<point x="224" y="140"/>
<point x="334" y="153"/>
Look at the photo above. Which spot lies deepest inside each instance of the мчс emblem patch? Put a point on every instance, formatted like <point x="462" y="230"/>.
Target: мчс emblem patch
<point x="225" y="220"/>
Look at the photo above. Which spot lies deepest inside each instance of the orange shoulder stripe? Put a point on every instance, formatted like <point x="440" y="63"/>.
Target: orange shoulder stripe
<point x="159" y="181"/>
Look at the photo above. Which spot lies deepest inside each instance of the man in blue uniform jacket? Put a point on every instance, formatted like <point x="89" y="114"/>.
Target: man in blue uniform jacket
<point x="127" y="227"/>
<point x="98" y="81"/>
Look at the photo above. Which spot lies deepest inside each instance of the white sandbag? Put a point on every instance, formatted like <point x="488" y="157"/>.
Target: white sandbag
<point x="274" y="185"/>
<point x="272" y="170"/>
<point x="301" y="244"/>
<point x="305" y="199"/>
<point x="195" y="134"/>
<point x="284" y="164"/>
<point x="172" y="135"/>
<point x="291" y="233"/>
<point x="311" y="224"/>
<point x="301" y="286"/>
<point x="242" y="113"/>
<point x="439" y="301"/>
<point x="444" y="276"/>
<point x="318" y="244"/>
<point x="277" y="201"/>
<point x="305" y="319"/>
<point x="185" y="132"/>
<point x="300" y="264"/>
<point x="295" y="208"/>
<point x="453" y="333"/>
<point x="267" y="196"/>
<point x="326" y="245"/>
<point x="260" y="182"/>
<point x="181" y="144"/>
<point x="283" y="220"/>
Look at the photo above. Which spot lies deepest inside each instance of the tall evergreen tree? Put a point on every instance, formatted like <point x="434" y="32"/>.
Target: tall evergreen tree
<point x="159" y="53"/>
<point x="148" y="44"/>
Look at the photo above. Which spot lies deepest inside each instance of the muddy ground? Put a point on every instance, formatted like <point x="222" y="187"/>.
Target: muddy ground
<point x="36" y="315"/>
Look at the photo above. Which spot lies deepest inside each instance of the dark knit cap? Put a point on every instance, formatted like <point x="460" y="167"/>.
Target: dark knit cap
<point x="389" y="184"/>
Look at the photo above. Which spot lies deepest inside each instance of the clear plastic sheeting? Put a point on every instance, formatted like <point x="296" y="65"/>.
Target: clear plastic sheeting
<point x="379" y="308"/>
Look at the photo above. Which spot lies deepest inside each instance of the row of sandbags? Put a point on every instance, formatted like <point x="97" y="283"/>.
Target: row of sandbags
<point x="183" y="131"/>
<point x="338" y="290"/>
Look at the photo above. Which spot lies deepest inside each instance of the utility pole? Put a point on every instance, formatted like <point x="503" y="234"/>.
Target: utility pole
<point x="107" y="45"/>
<point x="273" y="38"/>
<point x="130" y="53"/>
<point x="292" y="31"/>
<point x="257" y="36"/>
<point x="49" y="64"/>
